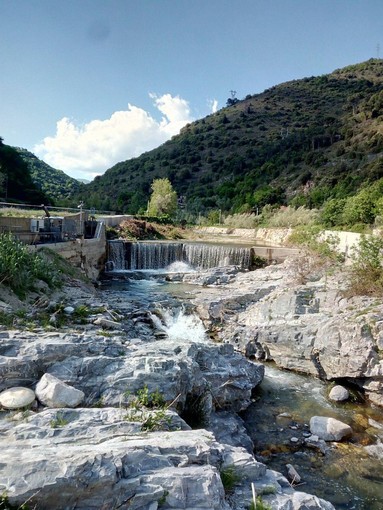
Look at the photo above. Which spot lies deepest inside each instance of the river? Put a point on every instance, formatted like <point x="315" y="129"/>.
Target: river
<point x="278" y="419"/>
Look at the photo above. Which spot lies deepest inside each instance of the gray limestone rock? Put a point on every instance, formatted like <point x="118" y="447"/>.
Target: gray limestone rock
<point x="329" y="429"/>
<point x="339" y="393"/>
<point x="52" y="392"/>
<point x="17" y="398"/>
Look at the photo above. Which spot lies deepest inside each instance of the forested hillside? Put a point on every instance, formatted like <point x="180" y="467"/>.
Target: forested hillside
<point x="16" y="183"/>
<point x="301" y="142"/>
<point x="55" y="183"/>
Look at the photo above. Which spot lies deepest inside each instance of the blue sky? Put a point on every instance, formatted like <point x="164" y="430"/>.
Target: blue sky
<point x="87" y="83"/>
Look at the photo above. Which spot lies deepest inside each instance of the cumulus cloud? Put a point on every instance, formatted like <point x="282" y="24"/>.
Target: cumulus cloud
<point x="88" y="150"/>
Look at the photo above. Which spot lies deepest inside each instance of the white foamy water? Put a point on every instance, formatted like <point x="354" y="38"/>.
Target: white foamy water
<point x="179" y="267"/>
<point x="180" y="326"/>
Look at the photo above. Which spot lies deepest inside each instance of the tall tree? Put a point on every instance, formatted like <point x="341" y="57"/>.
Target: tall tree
<point x="163" y="200"/>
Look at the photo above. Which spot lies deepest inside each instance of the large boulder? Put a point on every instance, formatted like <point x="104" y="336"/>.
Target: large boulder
<point x="329" y="429"/>
<point x="52" y="392"/>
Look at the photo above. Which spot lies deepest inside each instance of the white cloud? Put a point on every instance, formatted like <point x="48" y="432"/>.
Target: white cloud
<point x="213" y="105"/>
<point x="88" y="150"/>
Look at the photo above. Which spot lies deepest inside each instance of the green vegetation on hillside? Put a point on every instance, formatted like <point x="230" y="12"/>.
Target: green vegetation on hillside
<point x="16" y="184"/>
<point x="55" y="183"/>
<point x="301" y="143"/>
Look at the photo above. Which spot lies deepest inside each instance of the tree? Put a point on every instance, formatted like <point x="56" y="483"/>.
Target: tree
<point x="163" y="200"/>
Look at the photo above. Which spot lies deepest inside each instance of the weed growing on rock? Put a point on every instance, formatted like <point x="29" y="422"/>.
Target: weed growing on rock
<point x="59" y="421"/>
<point x="230" y="478"/>
<point x="162" y="499"/>
<point x="148" y="408"/>
<point x="318" y="256"/>
<point x="259" y="505"/>
<point x="6" y="505"/>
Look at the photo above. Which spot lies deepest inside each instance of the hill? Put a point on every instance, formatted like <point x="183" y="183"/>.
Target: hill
<point x="299" y="142"/>
<point x="16" y="183"/>
<point x="55" y="183"/>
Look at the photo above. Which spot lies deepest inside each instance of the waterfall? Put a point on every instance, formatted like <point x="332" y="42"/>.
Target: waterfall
<point x="124" y="255"/>
<point x="203" y="256"/>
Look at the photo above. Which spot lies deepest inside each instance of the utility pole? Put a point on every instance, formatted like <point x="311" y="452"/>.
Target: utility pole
<point x="80" y="206"/>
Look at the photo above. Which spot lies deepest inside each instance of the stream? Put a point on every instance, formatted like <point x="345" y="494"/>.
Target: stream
<point x="347" y="476"/>
<point x="278" y="419"/>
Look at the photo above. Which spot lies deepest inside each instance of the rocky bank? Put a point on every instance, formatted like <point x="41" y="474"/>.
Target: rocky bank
<point x="308" y="327"/>
<point x="117" y="451"/>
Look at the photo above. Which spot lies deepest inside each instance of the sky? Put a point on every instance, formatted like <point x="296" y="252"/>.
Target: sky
<point x="85" y="84"/>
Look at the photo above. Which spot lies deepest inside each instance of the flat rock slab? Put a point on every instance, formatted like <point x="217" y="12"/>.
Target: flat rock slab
<point x="17" y="397"/>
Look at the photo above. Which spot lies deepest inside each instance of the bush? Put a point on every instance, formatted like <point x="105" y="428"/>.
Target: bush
<point x="290" y="217"/>
<point x="366" y="274"/>
<point x="244" y="220"/>
<point x="20" y="269"/>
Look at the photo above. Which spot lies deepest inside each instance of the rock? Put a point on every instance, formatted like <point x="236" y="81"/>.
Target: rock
<point x="123" y="472"/>
<point x="69" y="310"/>
<point x="107" y="323"/>
<point x="308" y="328"/>
<point x="339" y="393"/>
<point x="303" y="501"/>
<point x="17" y="398"/>
<point x="229" y="429"/>
<point x="52" y="392"/>
<point x="292" y="474"/>
<point x="329" y="429"/>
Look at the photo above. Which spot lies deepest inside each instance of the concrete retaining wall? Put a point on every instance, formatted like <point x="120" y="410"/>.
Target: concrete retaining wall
<point x="87" y="254"/>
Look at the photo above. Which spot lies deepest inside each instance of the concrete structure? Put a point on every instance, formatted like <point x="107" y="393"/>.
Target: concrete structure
<point x="87" y="254"/>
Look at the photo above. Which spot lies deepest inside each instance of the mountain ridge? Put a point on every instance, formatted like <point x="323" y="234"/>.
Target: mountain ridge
<point x="53" y="182"/>
<point x="303" y="141"/>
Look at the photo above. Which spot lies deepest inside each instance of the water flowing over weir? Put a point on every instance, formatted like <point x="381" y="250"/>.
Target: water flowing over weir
<point x="123" y="255"/>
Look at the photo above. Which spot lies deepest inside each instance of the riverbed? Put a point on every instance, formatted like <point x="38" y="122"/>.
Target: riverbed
<point x="278" y="419"/>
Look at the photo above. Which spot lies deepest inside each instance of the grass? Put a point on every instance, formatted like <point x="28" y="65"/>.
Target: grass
<point x="259" y="505"/>
<point x="148" y="408"/>
<point x="59" y="421"/>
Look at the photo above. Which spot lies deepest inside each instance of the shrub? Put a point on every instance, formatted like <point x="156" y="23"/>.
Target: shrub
<point x="20" y="268"/>
<point x="290" y="217"/>
<point x="318" y="253"/>
<point x="366" y="274"/>
<point x="244" y="220"/>
<point x="332" y="212"/>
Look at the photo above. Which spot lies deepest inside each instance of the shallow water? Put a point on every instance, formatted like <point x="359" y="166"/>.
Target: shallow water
<point x="346" y="475"/>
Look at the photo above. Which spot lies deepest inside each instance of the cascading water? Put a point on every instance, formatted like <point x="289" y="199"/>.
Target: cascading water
<point x="178" y="325"/>
<point x="125" y="255"/>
